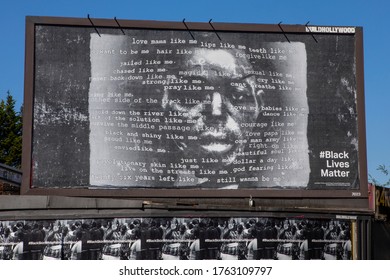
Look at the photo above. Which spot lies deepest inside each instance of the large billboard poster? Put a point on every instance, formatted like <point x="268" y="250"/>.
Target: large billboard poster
<point x="234" y="238"/>
<point x="212" y="117"/>
<point x="164" y="108"/>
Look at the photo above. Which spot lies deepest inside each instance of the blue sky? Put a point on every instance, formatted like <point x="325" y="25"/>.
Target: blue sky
<point x="371" y="15"/>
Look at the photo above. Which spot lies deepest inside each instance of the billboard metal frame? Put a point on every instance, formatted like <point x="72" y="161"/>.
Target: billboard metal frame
<point x="284" y="31"/>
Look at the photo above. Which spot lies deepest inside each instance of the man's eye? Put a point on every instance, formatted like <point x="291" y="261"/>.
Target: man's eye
<point x="240" y="94"/>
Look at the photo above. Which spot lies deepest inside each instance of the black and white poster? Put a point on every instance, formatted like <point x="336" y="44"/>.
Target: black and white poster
<point x="172" y="109"/>
<point x="201" y="114"/>
<point x="235" y="238"/>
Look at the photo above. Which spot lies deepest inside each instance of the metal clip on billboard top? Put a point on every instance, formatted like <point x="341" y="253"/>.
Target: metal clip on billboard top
<point x="97" y="31"/>
<point x="312" y="35"/>
<point x="123" y="32"/>
<point x="251" y="202"/>
<point x="280" y="26"/>
<point x="214" y="30"/>
<point x="189" y="31"/>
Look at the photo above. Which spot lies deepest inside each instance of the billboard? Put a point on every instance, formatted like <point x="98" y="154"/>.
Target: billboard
<point x="177" y="238"/>
<point x="171" y="109"/>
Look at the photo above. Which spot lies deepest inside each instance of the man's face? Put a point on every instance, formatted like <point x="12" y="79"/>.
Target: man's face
<point x="218" y="102"/>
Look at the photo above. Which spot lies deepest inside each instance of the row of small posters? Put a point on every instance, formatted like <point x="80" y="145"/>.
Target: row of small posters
<point x="195" y="238"/>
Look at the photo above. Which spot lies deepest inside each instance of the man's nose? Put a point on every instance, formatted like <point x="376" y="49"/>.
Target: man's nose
<point x="216" y="104"/>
